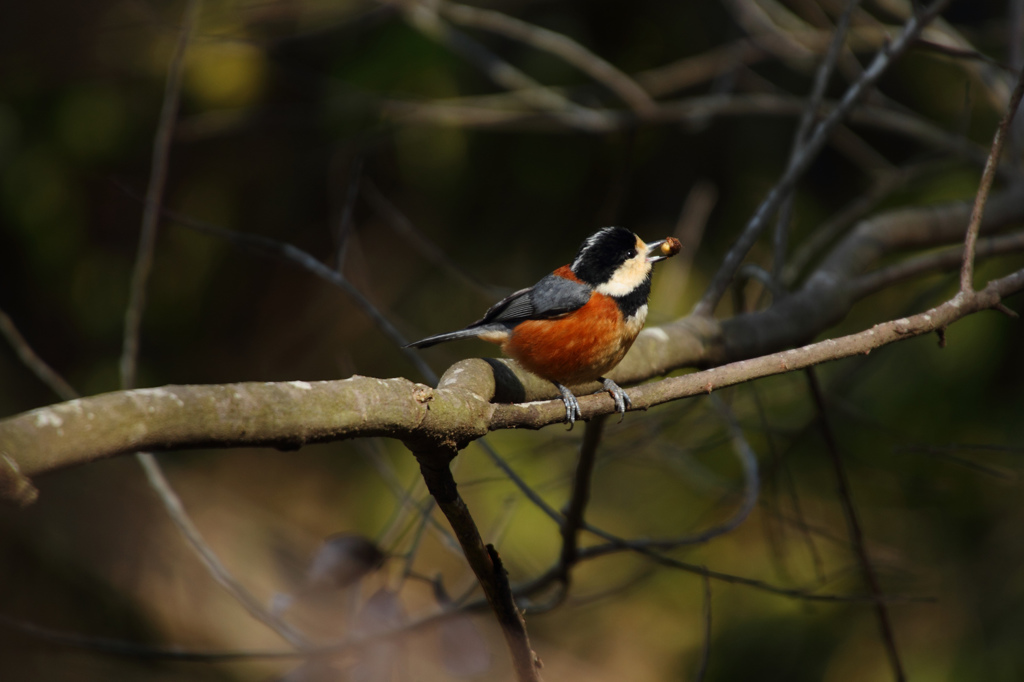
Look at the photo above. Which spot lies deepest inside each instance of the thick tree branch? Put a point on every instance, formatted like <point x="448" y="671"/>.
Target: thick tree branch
<point x="472" y="398"/>
<point x="285" y="415"/>
<point x="289" y="415"/>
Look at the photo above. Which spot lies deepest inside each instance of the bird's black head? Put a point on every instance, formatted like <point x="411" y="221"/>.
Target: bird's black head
<point x="603" y="253"/>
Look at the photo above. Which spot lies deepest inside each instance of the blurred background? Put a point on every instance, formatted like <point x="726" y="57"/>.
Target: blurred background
<point x="350" y="131"/>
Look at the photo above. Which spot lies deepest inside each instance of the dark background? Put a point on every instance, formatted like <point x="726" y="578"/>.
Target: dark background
<point x="282" y="110"/>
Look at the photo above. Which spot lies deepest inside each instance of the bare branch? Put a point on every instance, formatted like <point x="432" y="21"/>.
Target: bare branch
<point x="495" y="112"/>
<point x="829" y="231"/>
<point x="757" y="20"/>
<point x="425" y="19"/>
<point x="992" y="80"/>
<point x="821" y="79"/>
<point x="485" y="562"/>
<point x="946" y="259"/>
<point x="800" y="162"/>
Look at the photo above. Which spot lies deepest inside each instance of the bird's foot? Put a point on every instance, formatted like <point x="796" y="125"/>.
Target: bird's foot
<point x="572" y="407"/>
<point x="622" y="401"/>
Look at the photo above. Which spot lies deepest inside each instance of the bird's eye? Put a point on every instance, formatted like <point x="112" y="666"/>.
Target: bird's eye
<point x="631" y="253"/>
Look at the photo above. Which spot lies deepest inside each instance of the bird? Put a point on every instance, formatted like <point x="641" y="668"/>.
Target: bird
<point x="576" y="324"/>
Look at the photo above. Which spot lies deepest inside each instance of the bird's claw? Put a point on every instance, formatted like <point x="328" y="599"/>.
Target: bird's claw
<point x="572" y="406"/>
<point x="622" y="401"/>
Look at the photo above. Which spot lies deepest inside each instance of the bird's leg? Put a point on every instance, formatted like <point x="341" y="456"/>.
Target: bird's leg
<point x="622" y="400"/>
<point x="572" y="408"/>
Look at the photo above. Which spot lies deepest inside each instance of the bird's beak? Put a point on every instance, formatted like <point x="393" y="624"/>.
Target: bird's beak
<point x="666" y="248"/>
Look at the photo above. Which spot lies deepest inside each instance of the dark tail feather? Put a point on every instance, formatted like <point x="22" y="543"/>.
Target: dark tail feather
<point x="441" y="338"/>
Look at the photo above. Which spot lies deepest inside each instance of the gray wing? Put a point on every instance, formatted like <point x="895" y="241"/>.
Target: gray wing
<point x="551" y="297"/>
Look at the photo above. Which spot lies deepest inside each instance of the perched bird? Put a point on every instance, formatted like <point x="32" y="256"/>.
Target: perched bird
<point x="577" y="323"/>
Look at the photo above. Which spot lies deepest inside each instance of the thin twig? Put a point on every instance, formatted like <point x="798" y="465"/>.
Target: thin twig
<point x="674" y="275"/>
<point x="495" y="111"/>
<point x="884" y="184"/>
<point x="31" y="359"/>
<point x="705" y="652"/>
<point x="401" y="224"/>
<point x="970" y="241"/>
<point x="948" y="258"/>
<point x="404" y="497"/>
<point x="751" y="490"/>
<point x="799" y="164"/>
<point x="152" y="211"/>
<point x="558" y="44"/>
<point x="690" y="71"/>
<point x="579" y="498"/>
<point x="171" y="500"/>
<point x="758" y="22"/>
<point x="345" y="224"/>
<point x="213" y="564"/>
<point x="947" y="454"/>
<point x="1016" y="54"/>
<point x="853" y="524"/>
<point x="306" y="261"/>
<point x="595" y="551"/>
<point x="425" y="19"/>
<point x="426" y="515"/>
<point x="779" y="469"/>
<point x="123" y="648"/>
<point x="1016" y="37"/>
<point x="817" y="96"/>
<point x="960" y="53"/>
<point x="518" y="481"/>
<point x="154" y="198"/>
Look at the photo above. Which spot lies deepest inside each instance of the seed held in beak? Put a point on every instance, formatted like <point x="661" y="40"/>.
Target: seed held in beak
<point x="666" y="248"/>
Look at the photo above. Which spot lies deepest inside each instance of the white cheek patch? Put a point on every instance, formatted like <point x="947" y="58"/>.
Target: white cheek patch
<point x="627" y="277"/>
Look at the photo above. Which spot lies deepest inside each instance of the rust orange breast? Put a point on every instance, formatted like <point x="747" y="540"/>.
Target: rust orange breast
<point x="576" y="348"/>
